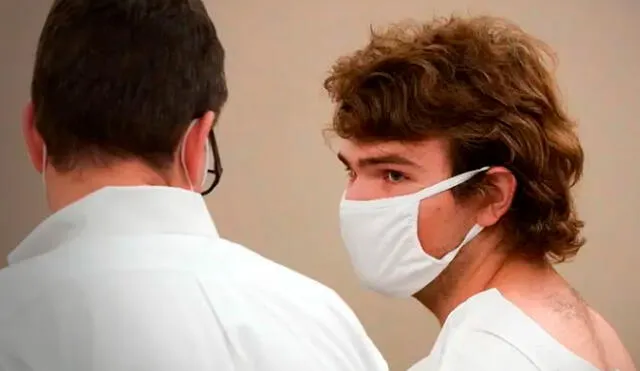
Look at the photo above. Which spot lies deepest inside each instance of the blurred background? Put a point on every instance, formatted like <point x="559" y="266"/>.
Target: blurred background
<point x="282" y="184"/>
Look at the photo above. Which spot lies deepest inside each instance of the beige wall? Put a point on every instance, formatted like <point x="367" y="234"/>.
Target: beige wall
<point x="281" y="184"/>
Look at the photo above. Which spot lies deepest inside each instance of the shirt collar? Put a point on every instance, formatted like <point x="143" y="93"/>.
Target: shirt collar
<point x="120" y="211"/>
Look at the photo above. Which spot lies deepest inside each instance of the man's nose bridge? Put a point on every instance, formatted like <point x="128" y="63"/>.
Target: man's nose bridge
<point x="359" y="190"/>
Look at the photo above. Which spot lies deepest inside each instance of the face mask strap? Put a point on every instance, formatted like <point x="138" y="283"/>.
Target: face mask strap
<point x="448" y="184"/>
<point x="353" y="205"/>
<point x="217" y="165"/>
<point x="44" y="162"/>
<point x="473" y="233"/>
<point x="182" y="154"/>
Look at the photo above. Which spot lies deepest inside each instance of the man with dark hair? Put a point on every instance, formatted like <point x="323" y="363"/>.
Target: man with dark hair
<point x="461" y="161"/>
<point x="129" y="272"/>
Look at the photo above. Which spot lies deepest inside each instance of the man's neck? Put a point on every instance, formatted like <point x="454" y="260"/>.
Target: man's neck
<point x="478" y="268"/>
<point x="64" y="189"/>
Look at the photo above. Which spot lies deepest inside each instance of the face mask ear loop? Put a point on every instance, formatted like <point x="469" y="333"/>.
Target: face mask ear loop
<point x="44" y="163"/>
<point x="207" y="165"/>
<point x="182" y="155"/>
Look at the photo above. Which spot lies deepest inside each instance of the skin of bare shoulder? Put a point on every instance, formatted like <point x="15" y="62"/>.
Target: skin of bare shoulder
<point x="615" y="349"/>
<point x="561" y="311"/>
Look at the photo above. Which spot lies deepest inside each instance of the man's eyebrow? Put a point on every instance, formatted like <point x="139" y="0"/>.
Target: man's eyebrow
<point x="391" y="159"/>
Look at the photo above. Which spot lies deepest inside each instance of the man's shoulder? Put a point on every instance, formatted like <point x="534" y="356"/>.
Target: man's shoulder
<point x="210" y="293"/>
<point x="21" y="284"/>
<point x="259" y="270"/>
<point x="220" y="263"/>
<point x="271" y="280"/>
<point x="282" y="300"/>
<point x="229" y="276"/>
<point x="216" y="261"/>
<point x="477" y="349"/>
<point x="478" y="335"/>
<point x="221" y="297"/>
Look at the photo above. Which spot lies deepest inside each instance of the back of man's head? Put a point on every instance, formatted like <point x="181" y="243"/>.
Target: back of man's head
<point x="122" y="80"/>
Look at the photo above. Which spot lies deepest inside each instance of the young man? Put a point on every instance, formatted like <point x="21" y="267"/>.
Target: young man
<point x="461" y="161"/>
<point x="129" y="273"/>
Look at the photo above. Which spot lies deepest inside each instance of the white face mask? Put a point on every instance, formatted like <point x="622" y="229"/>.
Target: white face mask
<point x="381" y="237"/>
<point x="207" y="161"/>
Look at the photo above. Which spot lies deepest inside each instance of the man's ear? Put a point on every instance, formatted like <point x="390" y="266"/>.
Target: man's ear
<point x="498" y="195"/>
<point x="33" y="139"/>
<point x="195" y="147"/>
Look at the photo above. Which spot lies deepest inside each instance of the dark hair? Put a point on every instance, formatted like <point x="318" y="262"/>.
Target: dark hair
<point x="121" y="79"/>
<point x="482" y="84"/>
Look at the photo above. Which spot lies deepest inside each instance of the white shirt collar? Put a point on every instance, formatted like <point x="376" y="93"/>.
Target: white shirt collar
<point x="120" y="211"/>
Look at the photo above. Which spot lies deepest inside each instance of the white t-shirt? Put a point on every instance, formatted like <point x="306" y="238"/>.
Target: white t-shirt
<point x="138" y="279"/>
<point x="489" y="333"/>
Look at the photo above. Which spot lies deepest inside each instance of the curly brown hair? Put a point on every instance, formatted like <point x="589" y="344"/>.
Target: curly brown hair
<point x="485" y="86"/>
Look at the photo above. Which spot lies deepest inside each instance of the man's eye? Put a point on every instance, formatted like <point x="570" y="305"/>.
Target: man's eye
<point x="394" y="176"/>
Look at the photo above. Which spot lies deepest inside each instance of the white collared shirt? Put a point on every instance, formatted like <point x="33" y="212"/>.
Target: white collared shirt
<point x="137" y="279"/>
